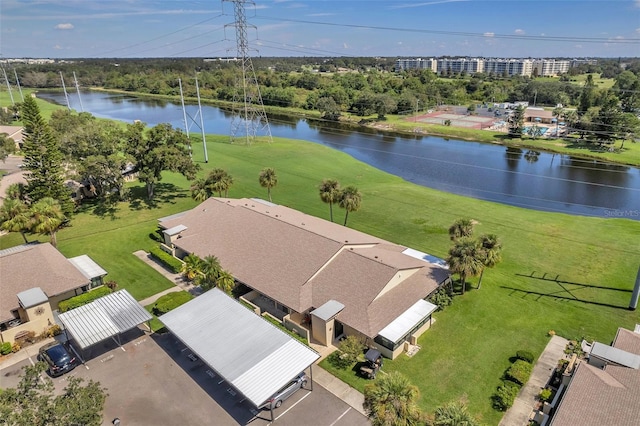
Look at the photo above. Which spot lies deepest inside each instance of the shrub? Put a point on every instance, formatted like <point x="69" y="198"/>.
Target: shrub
<point x="340" y="360"/>
<point x="111" y="285"/>
<point x="352" y="348"/>
<point x="6" y="348"/>
<point x="83" y="299"/>
<point x="441" y="298"/>
<point x="54" y="330"/>
<point x="519" y="372"/>
<point x="171" y="301"/>
<point x="15" y="347"/>
<point x="545" y="395"/>
<point x="173" y="264"/>
<point x="505" y="395"/>
<point x="525" y="356"/>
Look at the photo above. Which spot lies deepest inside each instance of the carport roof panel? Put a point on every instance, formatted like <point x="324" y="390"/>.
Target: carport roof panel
<point x="105" y="317"/>
<point x="251" y="354"/>
<point x="407" y="320"/>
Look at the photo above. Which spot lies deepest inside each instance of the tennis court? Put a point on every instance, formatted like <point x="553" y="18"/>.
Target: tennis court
<point x="457" y="120"/>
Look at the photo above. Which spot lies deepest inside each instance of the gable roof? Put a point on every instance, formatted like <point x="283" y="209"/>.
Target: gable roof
<point x="34" y="265"/>
<point x="303" y="261"/>
<point x="603" y="396"/>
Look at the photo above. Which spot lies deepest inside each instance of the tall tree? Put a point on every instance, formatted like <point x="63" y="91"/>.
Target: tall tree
<point x="462" y="227"/>
<point x="268" y="179"/>
<point x="15" y="217"/>
<point x="466" y="259"/>
<point x="516" y="122"/>
<point x="191" y="267"/>
<point x="491" y="252"/>
<point x="391" y="401"/>
<point x="225" y="281"/>
<point x="350" y="199"/>
<point x="47" y="218"/>
<point x="330" y="193"/>
<point x="218" y="180"/>
<point x="454" y="414"/>
<point x="7" y="146"/>
<point x="43" y="159"/>
<point x="162" y="148"/>
<point x="210" y="272"/>
<point x="609" y="119"/>
<point x="34" y="401"/>
<point x="557" y="113"/>
<point x="588" y="95"/>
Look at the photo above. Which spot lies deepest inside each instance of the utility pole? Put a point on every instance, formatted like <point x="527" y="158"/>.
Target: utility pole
<point x="248" y="109"/>
<point x="8" y="86"/>
<point x="78" y="91"/>
<point x="66" y="96"/>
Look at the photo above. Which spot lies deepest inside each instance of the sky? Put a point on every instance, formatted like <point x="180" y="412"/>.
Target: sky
<point x="390" y="28"/>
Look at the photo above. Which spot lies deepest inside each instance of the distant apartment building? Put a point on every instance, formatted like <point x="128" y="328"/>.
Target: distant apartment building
<point x="498" y="66"/>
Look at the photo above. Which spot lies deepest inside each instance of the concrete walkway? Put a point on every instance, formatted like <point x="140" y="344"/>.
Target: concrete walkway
<point x="519" y="414"/>
<point x="179" y="282"/>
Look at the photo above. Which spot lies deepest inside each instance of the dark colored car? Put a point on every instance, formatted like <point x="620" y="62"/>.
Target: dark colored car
<point x="292" y="387"/>
<point x="58" y="357"/>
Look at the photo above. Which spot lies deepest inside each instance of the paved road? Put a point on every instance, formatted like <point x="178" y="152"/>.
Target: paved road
<point x="14" y="173"/>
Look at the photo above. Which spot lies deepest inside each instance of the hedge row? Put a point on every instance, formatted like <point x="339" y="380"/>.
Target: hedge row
<point x="171" y="301"/>
<point x="514" y="378"/>
<point x="174" y="265"/>
<point x="83" y="299"/>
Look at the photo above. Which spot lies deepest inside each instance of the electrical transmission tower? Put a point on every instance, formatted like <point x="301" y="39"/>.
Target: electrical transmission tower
<point x="249" y="117"/>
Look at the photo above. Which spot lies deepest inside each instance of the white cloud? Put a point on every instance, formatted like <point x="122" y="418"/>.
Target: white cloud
<point x="637" y="30"/>
<point x="345" y="46"/>
<point x="64" y="26"/>
<point x="315" y="15"/>
<point x="578" y="46"/>
<point x="430" y="3"/>
<point x="57" y="47"/>
<point x="519" y="31"/>
<point x="489" y="34"/>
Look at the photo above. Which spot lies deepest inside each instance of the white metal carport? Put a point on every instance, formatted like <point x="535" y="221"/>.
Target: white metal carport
<point x="106" y="317"/>
<point x="252" y="355"/>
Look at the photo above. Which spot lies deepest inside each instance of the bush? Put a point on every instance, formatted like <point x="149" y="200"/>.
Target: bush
<point x="352" y="348"/>
<point x="6" y="348"/>
<point x="505" y="395"/>
<point x="519" y="372"/>
<point x="340" y="360"/>
<point x="525" y="356"/>
<point x="15" y="347"/>
<point x="441" y="298"/>
<point x="173" y="264"/>
<point x="83" y="299"/>
<point x="545" y="395"/>
<point x="171" y="301"/>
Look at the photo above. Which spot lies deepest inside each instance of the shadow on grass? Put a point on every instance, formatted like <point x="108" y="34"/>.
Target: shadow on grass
<point x="164" y="193"/>
<point x="563" y="293"/>
<point x="100" y="208"/>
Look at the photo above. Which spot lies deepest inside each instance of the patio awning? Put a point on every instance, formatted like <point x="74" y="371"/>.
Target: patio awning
<point x="408" y="320"/>
<point x="250" y="354"/>
<point x="103" y="318"/>
<point x="87" y="267"/>
<point x="328" y="310"/>
<point x="175" y="230"/>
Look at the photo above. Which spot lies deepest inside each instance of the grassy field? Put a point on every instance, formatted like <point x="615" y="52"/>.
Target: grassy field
<point x="565" y="273"/>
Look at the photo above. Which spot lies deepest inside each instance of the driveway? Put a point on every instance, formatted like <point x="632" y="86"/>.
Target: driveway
<point x="153" y="380"/>
<point x="14" y="173"/>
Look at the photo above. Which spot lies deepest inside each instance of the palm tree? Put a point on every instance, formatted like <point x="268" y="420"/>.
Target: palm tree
<point x="454" y="414"/>
<point x="268" y="179"/>
<point x="199" y="190"/>
<point x="557" y="112"/>
<point x="15" y="217"/>
<point x="350" y="199"/>
<point x="47" y="218"/>
<point x="466" y="259"/>
<point x="210" y="269"/>
<point x="220" y="181"/>
<point x="17" y="191"/>
<point x="329" y="193"/>
<point x="192" y="267"/>
<point x="391" y="400"/>
<point x="225" y="281"/>
<point x="492" y="252"/>
<point x="462" y="227"/>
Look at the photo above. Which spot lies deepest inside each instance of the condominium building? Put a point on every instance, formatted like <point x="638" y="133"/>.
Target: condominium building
<point x="498" y="66"/>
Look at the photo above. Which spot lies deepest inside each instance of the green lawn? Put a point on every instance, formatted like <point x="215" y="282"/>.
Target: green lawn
<point x="467" y="349"/>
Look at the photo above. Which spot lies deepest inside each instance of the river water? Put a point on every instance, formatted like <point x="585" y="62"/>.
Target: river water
<point x="544" y="181"/>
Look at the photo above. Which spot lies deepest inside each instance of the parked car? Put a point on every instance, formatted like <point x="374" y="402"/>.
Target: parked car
<point x="58" y="357"/>
<point x="289" y="389"/>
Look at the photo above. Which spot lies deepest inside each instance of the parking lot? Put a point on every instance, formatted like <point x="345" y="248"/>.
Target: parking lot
<point x="154" y="380"/>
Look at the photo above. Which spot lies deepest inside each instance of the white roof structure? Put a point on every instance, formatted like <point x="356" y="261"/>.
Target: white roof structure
<point x="615" y="355"/>
<point x="32" y="297"/>
<point x="407" y="320"/>
<point x="87" y="267"/>
<point x="105" y="317"/>
<point x="175" y="230"/>
<point x="251" y="354"/>
<point x="328" y="310"/>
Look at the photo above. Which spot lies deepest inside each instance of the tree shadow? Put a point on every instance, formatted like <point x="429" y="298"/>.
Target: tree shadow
<point x="164" y="193"/>
<point x="99" y="207"/>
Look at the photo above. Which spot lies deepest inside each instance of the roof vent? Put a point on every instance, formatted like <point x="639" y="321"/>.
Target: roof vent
<point x="302" y="223"/>
<point x="375" y="257"/>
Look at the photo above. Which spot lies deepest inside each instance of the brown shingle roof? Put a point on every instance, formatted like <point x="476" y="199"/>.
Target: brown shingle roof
<point x="603" y="397"/>
<point x="303" y="261"/>
<point x="34" y="265"/>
